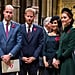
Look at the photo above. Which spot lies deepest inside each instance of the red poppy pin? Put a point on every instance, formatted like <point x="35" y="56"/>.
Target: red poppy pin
<point x="57" y="38"/>
<point x="13" y="26"/>
<point x="35" y="29"/>
<point x="68" y="31"/>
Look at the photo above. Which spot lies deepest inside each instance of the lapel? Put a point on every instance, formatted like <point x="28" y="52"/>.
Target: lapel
<point x="3" y="31"/>
<point x="25" y="32"/>
<point x="12" y="27"/>
<point x="32" y="33"/>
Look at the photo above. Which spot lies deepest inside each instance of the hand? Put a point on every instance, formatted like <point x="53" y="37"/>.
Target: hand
<point x="31" y="59"/>
<point x="25" y="59"/>
<point x="6" y="58"/>
<point x="46" y="64"/>
<point x="28" y="59"/>
<point x="55" y="63"/>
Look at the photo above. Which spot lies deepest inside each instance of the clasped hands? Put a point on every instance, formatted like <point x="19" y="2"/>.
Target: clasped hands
<point x="56" y="63"/>
<point x="28" y="60"/>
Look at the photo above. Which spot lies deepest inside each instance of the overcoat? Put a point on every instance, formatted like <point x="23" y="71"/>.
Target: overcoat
<point x="64" y="53"/>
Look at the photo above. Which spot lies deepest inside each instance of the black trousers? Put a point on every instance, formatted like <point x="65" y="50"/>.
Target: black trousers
<point x="30" y="68"/>
<point x="8" y="74"/>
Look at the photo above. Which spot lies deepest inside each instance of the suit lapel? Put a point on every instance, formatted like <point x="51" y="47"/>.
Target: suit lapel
<point x="25" y="32"/>
<point x="11" y="30"/>
<point x="3" y="30"/>
<point x="32" y="33"/>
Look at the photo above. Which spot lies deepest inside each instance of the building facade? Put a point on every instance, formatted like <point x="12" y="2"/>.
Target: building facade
<point x="43" y="8"/>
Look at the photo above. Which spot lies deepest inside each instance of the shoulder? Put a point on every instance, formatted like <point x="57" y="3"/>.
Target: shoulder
<point x="38" y="26"/>
<point x="72" y="30"/>
<point x="23" y="26"/>
<point x="15" y="23"/>
<point x="0" y="22"/>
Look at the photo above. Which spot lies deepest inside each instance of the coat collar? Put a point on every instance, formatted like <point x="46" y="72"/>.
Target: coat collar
<point x="67" y="28"/>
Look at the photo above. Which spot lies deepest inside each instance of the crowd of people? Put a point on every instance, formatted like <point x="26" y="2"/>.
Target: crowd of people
<point x="54" y="43"/>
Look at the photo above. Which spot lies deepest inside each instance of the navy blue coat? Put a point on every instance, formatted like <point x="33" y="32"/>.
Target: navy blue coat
<point x="12" y="44"/>
<point x="33" y="46"/>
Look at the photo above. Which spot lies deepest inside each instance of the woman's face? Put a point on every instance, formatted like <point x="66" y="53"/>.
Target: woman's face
<point x="65" y="19"/>
<point x="54" y="25"/>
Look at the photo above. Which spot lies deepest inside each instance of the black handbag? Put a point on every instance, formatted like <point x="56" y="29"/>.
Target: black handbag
<point x="73" y="56"/>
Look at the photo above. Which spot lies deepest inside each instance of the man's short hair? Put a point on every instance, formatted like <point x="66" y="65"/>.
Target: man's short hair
<point x="31" y="10"/>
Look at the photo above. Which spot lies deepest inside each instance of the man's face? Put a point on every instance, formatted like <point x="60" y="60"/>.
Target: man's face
<point x="29" y="17"/>
<point x="8" y="13"/>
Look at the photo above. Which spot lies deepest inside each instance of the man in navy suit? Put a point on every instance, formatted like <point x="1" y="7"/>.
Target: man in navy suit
<point x="10" y="38"/>
<point x="32" y="43"/>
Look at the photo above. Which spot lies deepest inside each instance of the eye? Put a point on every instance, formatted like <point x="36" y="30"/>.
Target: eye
<point x="6" y="11"/>
<point x="31" y="16"/>
<point x="54" y="23"/>
<point x="10" y="12"/>
<point x="64" y="17"/>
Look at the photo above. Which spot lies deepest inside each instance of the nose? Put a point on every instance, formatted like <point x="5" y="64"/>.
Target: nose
<point x="8" y="13"/>
<point x="29" y="17"/>
<point x="62" y="19"/>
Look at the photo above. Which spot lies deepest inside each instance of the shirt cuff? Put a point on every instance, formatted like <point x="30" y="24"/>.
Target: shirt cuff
<point x="11" y="55"/>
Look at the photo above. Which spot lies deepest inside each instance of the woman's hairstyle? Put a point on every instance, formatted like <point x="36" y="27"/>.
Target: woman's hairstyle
<point x="58" y="20"/>
<point x="59" y="23"/>
<point x="46" y="20"/>
<point x="68" y="12"/>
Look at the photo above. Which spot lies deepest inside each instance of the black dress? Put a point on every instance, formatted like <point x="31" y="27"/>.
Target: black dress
<point x="49" y="50"/>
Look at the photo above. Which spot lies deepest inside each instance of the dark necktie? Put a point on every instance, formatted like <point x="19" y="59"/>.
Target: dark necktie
<point x="28" y="33"/>
<point x="7" y="30"/>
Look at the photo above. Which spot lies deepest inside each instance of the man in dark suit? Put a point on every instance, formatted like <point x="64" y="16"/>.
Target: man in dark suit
<point x="32" y="44"/>
<point x="10" y="38"/>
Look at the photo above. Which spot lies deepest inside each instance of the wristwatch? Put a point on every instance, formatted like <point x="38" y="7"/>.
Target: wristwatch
<point x="11" y="55"/>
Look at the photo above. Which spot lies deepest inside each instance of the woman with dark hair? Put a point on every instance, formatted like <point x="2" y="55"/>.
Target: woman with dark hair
<point x="67" y="44"/>
<point x="51" y="45"/>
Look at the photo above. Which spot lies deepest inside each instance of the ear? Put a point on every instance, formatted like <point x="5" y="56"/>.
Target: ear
<point x="35" y="16"/>
<point x="69" y="20"/>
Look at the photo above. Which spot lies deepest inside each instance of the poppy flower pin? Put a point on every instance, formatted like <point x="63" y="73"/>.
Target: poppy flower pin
<point x="13" y="26"/>
<point x="57" y="38"/>
<point x="35" y="29"/>
<point x="68" y="31"/>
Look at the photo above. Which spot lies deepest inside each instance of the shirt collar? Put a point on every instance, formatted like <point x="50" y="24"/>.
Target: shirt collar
<point x="45" y="29"/>
<point x="5" y="22"/>
<point x="28" y="25"/>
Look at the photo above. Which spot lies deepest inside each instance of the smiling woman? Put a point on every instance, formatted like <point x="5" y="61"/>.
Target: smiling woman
<point x="66" y="17"/>
<point x="67" y="44"/>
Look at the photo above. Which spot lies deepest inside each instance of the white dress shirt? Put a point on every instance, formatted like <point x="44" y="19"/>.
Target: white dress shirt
<point x="28" y="26"/>
<point x="4" y="23"/>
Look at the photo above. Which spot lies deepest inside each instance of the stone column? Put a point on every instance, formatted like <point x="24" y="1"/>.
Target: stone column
<point x="8" y="2"/>
<point x="0" y="10"/>
<point x="54" y="7"/>
<point x="16" y="5"/>
<point x="59" y="7"/>
<point x="36" y="7"/>
<point x="28" y="3"/>
<point x="44" y="8"/>
<point x="35" y="3"/>
<point x="37" y="12"/>
<point x="49" y="7"/>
